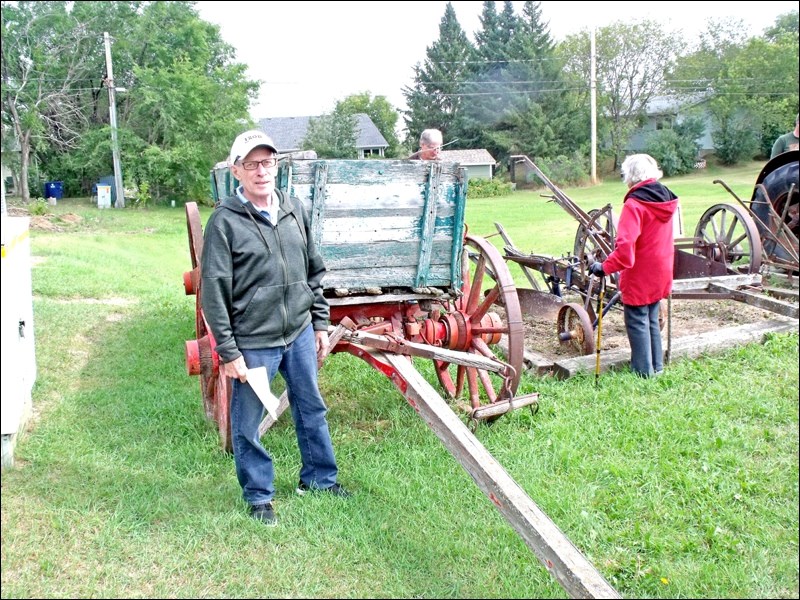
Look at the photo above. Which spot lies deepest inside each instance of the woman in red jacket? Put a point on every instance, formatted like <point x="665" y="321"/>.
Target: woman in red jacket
<point x="644" y="254"/>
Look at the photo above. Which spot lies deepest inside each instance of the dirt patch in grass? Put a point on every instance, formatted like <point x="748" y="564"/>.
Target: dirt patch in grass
<point x="688" y="317"/>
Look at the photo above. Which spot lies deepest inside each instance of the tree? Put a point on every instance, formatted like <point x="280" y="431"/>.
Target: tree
<point x="435" y="100"/>
<point x="333" y="135"/>
<point x="544" y="118"/>
<point x="676" y="149"/>
<point x="382" y="113"/>
<point x="632" y="61"/>
<point x="44" y="70"/>
<point x="186" y="97"/>
<point x="751" y="83"/>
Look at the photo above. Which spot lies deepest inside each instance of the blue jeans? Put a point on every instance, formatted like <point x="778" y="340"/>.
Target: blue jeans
<point x="297" y="363"/>
<point x="644" y="336"/>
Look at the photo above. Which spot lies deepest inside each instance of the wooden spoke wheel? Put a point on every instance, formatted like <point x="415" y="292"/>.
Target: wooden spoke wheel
<point x="729" y="236"/>
<point x="195" y="229"/>
<point x="221" y="391"/>
<point x="474" y="327"/>
<point x="575" y="328"/>
<point x="215" y="389"/>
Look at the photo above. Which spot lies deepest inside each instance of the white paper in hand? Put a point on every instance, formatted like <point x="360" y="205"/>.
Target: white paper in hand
<point x="258" y="380"/>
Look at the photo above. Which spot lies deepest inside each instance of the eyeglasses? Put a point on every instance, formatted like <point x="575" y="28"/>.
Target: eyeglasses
<point x="252" y="165"/>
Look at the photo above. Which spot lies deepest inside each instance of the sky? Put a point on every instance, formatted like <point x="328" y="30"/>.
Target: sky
<point x="309" y="55"/>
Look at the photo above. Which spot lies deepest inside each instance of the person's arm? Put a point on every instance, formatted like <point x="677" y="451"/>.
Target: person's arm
<point x="777" y="147"/>
<point x="216" y="294"/>
<point x="628" y="230"/>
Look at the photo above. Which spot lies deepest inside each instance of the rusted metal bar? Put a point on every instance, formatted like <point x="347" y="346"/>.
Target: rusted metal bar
<point x="600" y="236"/>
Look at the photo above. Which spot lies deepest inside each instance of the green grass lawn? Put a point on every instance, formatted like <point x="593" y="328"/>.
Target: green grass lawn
<point x="681" y="486"/>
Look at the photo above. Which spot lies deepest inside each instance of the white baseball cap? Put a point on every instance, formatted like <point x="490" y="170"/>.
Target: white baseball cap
<point x="247" y="141"/>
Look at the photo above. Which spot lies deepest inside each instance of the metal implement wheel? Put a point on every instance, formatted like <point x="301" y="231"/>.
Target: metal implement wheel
<point x="473" y="328"/>
<point x="585" y="246"/>
<point x="729" y="236"/>
<point x="575" y="328"/>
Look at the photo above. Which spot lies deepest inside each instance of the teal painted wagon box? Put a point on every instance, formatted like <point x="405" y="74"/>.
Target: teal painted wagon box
<point x="393" y="225"/>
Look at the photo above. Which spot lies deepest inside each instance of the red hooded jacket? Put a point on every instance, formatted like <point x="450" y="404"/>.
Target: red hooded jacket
<point x="644" y="250"/>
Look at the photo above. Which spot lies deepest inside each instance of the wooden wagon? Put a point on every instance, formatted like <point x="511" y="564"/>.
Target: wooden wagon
<point x="405" y="279"/>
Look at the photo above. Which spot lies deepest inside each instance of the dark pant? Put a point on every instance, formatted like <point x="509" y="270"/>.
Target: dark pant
<point x="297" y="363"/>
<point x="644" y="336"/>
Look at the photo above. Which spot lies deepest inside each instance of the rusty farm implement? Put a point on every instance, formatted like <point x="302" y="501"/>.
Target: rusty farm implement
<point x="726" y="253"/>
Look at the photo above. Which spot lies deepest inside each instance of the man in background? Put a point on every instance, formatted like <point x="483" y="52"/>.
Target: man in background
<point x="788" y="141"/>
<point x="430" y="142"/>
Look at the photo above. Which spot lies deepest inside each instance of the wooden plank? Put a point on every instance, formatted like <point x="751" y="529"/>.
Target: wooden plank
<point x="758" y="300"/>
<point x="387" y="254"/>
<point x="552" y="548"/>
<point x="388" y="277"/>
<point x="379" y="229"/>
<point x="359" y="300"/>
<point x="283" y="401"/>
<point x="407" y="348"/>
<point x="460" y="199"/>
<point x="428" y="223"/>
<point x="702" y="283"/>
<point x="318" y="201"/>
<point x="782" y="293"/>
<point x="364" y="172"/>
<point x="691" y="346"/>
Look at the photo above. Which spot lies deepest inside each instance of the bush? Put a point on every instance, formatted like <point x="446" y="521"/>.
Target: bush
<point x="487" y="188"/>
<point x="564" y="170"/>
<point x="735" y="140"/>
<point x="676" y="150"/>
<point x="38" y="207"/>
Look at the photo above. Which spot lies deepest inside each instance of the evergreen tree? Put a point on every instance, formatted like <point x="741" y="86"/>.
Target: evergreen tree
<point x="435" y="100"/>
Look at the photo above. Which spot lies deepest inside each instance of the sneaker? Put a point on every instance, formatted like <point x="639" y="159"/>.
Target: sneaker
<point x="264" y="513"/>
<point x="334" y="490"/>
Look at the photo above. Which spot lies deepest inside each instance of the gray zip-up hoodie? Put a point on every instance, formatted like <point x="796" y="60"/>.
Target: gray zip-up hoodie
<point x="261" y="284"/>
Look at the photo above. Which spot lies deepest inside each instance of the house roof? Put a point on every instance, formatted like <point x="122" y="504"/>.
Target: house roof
<point x="288" y="132"/>
<point x="666" y="105"/>
<point x="468" y="157"/>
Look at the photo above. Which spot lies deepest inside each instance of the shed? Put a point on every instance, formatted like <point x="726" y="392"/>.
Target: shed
<point x="477" y="163"/>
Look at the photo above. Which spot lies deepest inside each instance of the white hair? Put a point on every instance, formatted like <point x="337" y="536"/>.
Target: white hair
<point x="639" y="167"/>
<point x="430" y="137"/>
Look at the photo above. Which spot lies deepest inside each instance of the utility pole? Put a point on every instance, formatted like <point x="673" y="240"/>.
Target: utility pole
<point x="593" y="96"/>
<point x="112" y="113"/>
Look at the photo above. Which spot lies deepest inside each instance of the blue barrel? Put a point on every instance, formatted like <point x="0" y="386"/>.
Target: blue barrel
<point x="54" y="189"/>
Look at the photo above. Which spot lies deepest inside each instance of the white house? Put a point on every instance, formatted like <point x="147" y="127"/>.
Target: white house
<point x="663" y="112"/>
<point x="477" y="163"/>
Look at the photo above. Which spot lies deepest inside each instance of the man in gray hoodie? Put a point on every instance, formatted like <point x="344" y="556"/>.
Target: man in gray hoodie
<point x="261" y="294"/>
